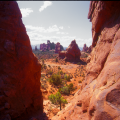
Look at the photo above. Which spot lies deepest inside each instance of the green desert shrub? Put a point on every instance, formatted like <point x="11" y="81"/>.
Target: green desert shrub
<point x="57" y="99"/>
<point x="66" y="89"/>
<point x="80" y="81"/>
<point x="67" y="77"/>
<point x="43" y="61"/>
<point x="59" y="68"/>
<point x="55" y="79"/>
<point x="78" y="63"/>
<point x="70" y="86"/>
<point x="61" y="72"/>
<point x="44" y="66"/>
<point x="49" y="72"/>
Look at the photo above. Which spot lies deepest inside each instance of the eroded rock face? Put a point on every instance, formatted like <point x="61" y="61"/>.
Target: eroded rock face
<point x="98" y="99"/>
<point x="20" y="70"/>
<point x="72" y="53"/>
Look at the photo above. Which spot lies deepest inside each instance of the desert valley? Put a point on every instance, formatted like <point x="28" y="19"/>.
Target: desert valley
<point x="53" y="83"/>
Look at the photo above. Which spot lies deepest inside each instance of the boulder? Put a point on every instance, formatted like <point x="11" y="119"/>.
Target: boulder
<point x="20" y="70"/>
<point x="99" y="98"/>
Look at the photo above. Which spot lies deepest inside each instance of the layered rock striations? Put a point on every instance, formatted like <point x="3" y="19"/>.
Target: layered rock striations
<point x="20" y="70"/>
<point x="72" y="53"/>
<point x="98" y="98"/>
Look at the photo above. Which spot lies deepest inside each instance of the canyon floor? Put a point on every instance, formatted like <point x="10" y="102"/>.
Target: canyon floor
<point x="50" y="62"/>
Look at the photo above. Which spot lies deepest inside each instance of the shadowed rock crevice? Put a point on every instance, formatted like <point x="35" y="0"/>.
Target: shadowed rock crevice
<point x="113" y="98"/>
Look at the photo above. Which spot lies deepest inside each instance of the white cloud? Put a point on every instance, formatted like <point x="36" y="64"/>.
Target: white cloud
<point x="81" y="42"/>
<point x="61" y="27"/>
<point x="40" y="35"/>
<point x="68" y="26"/>
<point x="26" y="11"/>
<point x="53" y="28"/>
<point x="61" y="33"/>
<point x="45" y="5"/>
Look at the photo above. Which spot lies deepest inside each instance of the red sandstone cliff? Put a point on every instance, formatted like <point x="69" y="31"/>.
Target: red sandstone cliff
<point x="20" y="70"/>
<point x="99" y="97"/>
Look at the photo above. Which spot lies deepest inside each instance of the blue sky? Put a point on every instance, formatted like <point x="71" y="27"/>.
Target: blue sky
<point x="57" y="21"/>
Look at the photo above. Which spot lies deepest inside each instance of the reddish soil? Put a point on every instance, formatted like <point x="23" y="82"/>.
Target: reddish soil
<point x="76" y="70"/>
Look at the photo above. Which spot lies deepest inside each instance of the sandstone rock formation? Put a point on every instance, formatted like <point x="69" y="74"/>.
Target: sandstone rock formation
<point x="99" y="97"/>
<point x="51" y="46"/>
<point x="19" y="68"/>
<point x="48" y="44"/>
<point x="57" y="47"/>
<point x="87" y="49"/>
<point x="36" y="48"/>
<point x="72" y="53"/>
<point x="43" y="47"/>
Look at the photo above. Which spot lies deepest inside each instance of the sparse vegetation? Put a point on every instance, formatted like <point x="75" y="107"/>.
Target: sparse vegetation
<point x="61" y="72"/>
<point x="42" y="61"/>
<point x="66" y="89"/>
<point x="49" y="72"/>
<point x="55" y="79"/>
<point x="78" y="63"/>
<point x="59" y="68"/>
<point x="57" y="99"/>
<point x="79" y="81"/>
<point x="67" y="77"/>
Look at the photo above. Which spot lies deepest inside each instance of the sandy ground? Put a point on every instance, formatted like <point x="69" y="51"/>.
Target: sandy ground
<point x="71" y="68"/>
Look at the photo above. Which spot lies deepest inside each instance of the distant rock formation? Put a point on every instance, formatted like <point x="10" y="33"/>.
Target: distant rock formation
<point x="57" y="47"/>
<point x="87" y="49"/>
<point x="36" y="48"/>
<point x="50" y="46"/>
<point x="99" y="96"/>
<point x="43" y="47"/>
<point x="72" y="53"/>
<point x="20" y="70"/>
